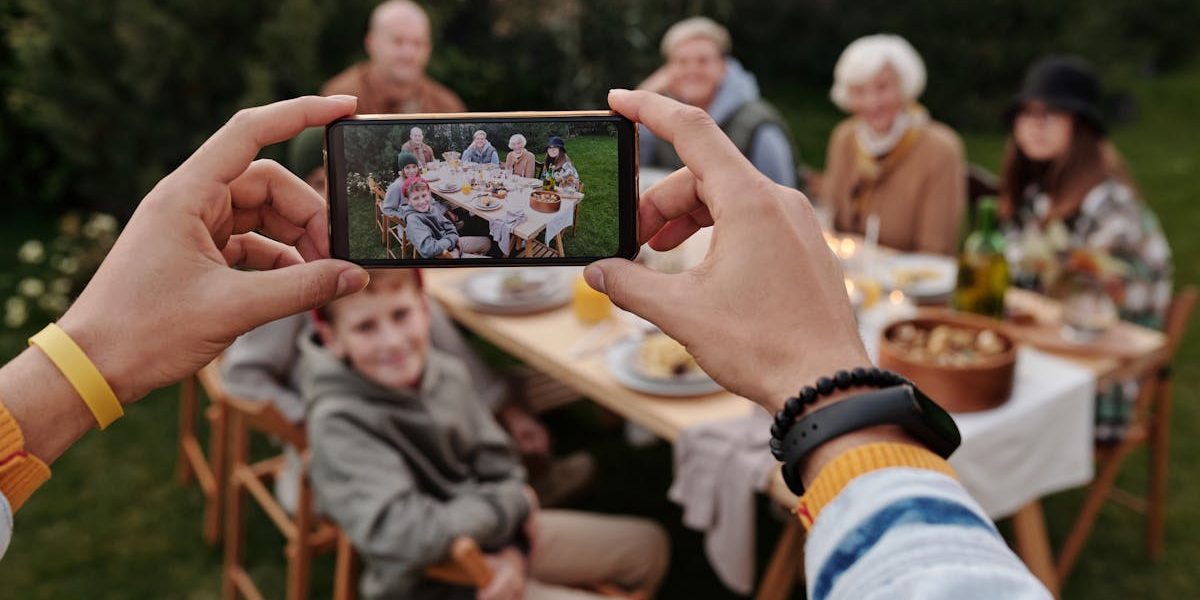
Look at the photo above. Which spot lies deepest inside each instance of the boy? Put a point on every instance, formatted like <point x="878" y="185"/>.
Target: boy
<point x="393" y="198"/>
<point x="431" y="231"/>
<point x="404" y="459"/>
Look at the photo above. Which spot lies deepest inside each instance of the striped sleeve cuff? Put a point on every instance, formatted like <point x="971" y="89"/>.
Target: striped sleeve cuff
<point x="20" y="472"/>
<point x="834" y="476"/>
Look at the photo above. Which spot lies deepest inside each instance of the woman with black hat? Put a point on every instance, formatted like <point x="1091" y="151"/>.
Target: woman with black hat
<point x="559" y="164"/>
<point x="1073" y="211"/>
<point x="1060" y="168"/>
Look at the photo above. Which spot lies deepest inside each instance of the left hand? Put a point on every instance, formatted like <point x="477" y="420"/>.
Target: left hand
<point x="508" y="576"/>
<point x="529" y="435"/>
<point x="170" y="296"/>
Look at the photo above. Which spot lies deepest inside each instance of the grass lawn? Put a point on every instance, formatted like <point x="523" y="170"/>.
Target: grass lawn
<point x="113" y="523"/>
<point x="596" y="229"/>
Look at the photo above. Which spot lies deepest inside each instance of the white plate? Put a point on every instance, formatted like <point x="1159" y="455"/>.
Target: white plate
<point x="943" y="272"/>
<point x="496" y="206"/>
<point x="484" y="292"/>
<point x="622" y="361"/>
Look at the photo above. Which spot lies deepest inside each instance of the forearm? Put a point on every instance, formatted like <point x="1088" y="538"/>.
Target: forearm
<point x="910" y="532"/>
<point x="48" y="410"/>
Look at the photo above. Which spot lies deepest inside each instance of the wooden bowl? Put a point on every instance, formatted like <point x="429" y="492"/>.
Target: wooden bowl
<point x="981" y="385"/>
<point x="545" y="201"/>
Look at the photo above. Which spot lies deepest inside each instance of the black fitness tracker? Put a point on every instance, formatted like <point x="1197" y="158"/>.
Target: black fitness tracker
<point x="902" y="405"/>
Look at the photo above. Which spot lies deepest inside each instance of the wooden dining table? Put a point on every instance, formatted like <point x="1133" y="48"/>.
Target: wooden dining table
<point x="550" y="341"/>
<point x="518" y="190"/>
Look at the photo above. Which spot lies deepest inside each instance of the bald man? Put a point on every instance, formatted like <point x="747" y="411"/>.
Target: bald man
<point x="392" y="79"/>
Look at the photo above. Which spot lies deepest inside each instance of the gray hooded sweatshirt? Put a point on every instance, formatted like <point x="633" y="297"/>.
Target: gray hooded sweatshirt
<point x="770" y="147"/>
<point x="405" y="472"/>
<point x="432" y="232"/>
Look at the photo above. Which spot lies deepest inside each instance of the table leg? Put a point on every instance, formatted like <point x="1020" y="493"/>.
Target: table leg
<point x="528" y="248"/>
<point x="558" y="242"/>
<point x="786" y="563"/>
<point x="1033" y="544"/>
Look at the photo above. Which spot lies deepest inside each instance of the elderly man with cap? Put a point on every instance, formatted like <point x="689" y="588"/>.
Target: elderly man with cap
<point x="392" y="79"/>
<point x="700" y="71"/>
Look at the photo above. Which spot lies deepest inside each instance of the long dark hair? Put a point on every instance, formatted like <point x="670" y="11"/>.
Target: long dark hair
<point x="558" y="162"/>
<point x="1089" y="161"/>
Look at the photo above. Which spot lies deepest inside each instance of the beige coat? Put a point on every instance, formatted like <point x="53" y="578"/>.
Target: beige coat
<point x="523" y="166"/>
<point x="427" y="96"/>
<point x="920" y="198"/>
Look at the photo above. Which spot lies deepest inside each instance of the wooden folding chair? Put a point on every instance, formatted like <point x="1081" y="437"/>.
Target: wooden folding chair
<point x="209" y="471"/>
<point x="306" y="534"/>
<point x="1150" y="425"/>
<point x="387" y="224"/>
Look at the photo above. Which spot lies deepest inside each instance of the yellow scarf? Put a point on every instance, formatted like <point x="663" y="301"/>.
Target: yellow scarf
<point x="871" y="170"/>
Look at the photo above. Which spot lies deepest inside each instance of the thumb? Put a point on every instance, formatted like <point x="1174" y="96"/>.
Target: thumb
<point x="265" y="296"/>
<point x="633" y="287"/>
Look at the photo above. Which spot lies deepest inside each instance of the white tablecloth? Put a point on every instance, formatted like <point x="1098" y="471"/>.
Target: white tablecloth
<point x="1037" y="443"/>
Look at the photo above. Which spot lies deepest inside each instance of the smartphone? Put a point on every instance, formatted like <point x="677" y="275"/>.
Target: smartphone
<point x="482" y="189"/>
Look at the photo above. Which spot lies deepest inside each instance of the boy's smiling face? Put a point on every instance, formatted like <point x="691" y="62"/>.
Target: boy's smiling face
<point x="419" y="199"/>
<point x="383" y="334"/>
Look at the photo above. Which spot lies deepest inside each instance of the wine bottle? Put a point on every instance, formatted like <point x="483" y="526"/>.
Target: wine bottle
<point x="982" y="266"/>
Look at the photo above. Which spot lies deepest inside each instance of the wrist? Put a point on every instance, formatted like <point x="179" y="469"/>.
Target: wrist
<point x="102" y="351"/>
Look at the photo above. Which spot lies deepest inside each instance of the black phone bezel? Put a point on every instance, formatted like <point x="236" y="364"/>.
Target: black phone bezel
<point x="627" y="188"/>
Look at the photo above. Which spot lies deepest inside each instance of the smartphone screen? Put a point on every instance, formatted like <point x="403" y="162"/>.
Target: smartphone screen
<point x="483" y="189"/>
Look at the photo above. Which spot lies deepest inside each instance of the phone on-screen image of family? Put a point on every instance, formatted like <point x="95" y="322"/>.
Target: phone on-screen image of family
<point x="482" y="189"/>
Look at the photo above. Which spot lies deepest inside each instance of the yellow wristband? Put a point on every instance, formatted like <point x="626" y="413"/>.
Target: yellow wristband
<point x="81" y="372"/>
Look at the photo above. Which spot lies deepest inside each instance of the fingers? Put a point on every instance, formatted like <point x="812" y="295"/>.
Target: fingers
<point x="269" y="198"/>
<point x="265" y="296"/>
<point x="675" y="196"/>
<point x="253" y="251"/>
<point x="636" y="288"/>
<point x="679" y="230"/>
<point x="704" y="148"/>
<point x="227" y="153"/>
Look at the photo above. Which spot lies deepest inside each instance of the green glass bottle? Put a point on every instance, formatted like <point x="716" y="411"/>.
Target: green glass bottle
<point x="548" y="176"/>
<point x="982" y="266"/>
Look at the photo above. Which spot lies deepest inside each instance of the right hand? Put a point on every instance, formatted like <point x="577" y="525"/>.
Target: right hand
<point x="508" y="576"/>
<point x="766" y="312"/>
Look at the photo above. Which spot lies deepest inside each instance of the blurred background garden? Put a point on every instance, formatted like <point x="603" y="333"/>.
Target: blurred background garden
<point x="98" y="100"/>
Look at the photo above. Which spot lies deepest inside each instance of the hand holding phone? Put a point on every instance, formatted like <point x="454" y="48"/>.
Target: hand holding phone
<point x="484" y="189"/>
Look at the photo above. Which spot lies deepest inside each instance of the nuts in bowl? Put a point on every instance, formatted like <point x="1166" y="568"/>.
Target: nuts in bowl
<point x="964" y="362"/>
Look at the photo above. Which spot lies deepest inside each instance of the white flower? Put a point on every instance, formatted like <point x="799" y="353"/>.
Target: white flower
<point x="60" y="286"/>
<point x="67" y="265"/>
<point x="31" y="287"/>
<point x="31" y="252"/>
<point x="53" y="303"/>
<point x="16" y="312"/>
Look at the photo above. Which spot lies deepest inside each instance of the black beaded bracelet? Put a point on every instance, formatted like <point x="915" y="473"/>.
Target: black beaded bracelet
<point x="826" y="386"/>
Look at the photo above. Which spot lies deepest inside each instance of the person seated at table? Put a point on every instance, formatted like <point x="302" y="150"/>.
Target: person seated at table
<point x="431" y="232"/>
<point x="519" y="161"/>
<point x="408" y="170"/>
<point x="700" y="71"/>
<point x="417" y="147"/>
<point x="1061" y="173"/>
<point x="1060" y="170"/>
<point x="405" y="459"/>
<point x="481" y="151"/>
<point x="559" y="164"/>
<point x="889" y="158"/>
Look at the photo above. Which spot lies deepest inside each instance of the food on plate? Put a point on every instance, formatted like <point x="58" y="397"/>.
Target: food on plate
<point x="500" y="193"/>
<point x="946" y="345"/>
<point x="909" y="277"/>
<point x="661" y="357"/>
<point x="519" y="284"/>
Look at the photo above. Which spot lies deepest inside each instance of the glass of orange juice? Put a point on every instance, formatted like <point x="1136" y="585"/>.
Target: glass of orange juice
<point x="589" y="305"/>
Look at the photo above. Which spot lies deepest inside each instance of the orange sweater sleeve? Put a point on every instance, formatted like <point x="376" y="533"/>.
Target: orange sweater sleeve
<point x="20" y="472"/>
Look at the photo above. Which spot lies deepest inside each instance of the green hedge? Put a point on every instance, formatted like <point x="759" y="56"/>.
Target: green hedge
<point x="100" y="99"/>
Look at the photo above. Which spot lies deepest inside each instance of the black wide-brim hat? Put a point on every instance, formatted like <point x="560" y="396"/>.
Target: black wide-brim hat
<point x="1066" y="83"/>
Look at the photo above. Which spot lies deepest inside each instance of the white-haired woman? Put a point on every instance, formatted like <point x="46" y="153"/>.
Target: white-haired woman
<point x="417" y="146"/>
<point x="889" y="158"/>
<point x="519" y="160"/>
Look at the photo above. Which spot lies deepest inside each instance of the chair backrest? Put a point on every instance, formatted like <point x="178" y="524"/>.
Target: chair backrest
<point x="1179" y="315"/>
<point x="261" y="415"/>
<point x="376" y="190"/>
